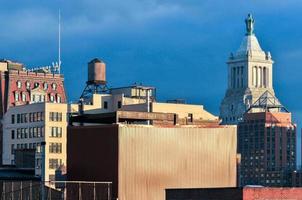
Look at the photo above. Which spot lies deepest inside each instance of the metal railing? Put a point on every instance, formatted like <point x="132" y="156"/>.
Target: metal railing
<point x="55" y="190"/>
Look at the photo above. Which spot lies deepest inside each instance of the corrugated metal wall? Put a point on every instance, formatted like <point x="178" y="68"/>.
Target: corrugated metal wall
<point x="154" y="159"/>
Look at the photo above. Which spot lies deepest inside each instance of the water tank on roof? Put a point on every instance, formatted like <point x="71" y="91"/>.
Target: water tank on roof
<point x="96" y="72"/>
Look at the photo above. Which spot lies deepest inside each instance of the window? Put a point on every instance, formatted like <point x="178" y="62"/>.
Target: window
<point x="39" y="131"/>
<point x="55" y="116"/>
<point x="190" y="117"/>
<point x="16" y="96"/>
<point x="18" y="133"/>
<point x="13" y="134"/>
<point x="55" y="148"/>
<point x="25" y="132"/>
<point x="54" y="86"/>
<point x="58" y="99"/>
<point x="42" y="116"/>
<point x="30" y="117"/>
<point x="25" y="117"/>
<point x="54" y="163"/>
<point x="56" y="132"/>
<point x="45" y="86"/>
<point x="38" y="148"/>
<point x="30" y="135"/>
<point x="18" y="118"/>
<point x="13" y="119"/>
<point x="51" y="98"/>
<point x="34" y="132"/>
<point x="22" y="132"/>
<point x="36" y="84"/>
<point x="23" y="96"/>
<point x="12" y="149"/>
<point x="38" y="163"/>
<point x="105" y="105"/>
<point x="119" y="104"/>
<point x="52" y="177"/>
<point x="19" y="84"/>
<point x="27" y="85"/>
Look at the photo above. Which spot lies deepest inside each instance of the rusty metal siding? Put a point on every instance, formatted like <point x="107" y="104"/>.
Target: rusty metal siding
<point x="153" y="159"/>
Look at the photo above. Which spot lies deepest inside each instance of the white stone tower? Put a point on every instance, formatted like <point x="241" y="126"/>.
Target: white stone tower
<point x="250" y="74"/>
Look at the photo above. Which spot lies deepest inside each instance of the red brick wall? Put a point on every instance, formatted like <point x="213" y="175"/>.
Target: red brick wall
<point x="272" y="194"/>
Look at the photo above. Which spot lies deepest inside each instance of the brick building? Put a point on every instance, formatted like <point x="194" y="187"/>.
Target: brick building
<point x="267" y="144"/>
<point x="21" y="86"/>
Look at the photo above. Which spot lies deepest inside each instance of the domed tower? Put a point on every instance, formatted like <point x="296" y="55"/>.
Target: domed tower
<point x="250" y="74"/>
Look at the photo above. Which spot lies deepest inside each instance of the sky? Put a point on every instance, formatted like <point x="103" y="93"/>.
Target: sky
<point x="179" y="46"/>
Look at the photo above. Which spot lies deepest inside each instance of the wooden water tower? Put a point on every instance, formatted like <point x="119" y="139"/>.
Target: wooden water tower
<point x="96" y="83"/>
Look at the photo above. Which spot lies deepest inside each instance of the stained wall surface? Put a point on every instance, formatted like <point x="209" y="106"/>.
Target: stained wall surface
<point x="152" y="159"/>
<point x="272" y="193"/>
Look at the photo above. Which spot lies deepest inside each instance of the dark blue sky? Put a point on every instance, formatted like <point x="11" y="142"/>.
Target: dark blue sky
<point x="179" y="46"/>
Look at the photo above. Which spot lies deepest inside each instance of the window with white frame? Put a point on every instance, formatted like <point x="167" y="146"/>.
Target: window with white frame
<point x="27" y="85"/>
<point x="45" y="86"/>
<point x="19" y="84"/>
<point x="54" y="86"/>
<point x="23" y="96"/>
<point x="16" y="96"/>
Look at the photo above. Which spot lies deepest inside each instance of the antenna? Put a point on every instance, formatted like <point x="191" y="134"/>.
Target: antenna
<point x="59" y="50"/>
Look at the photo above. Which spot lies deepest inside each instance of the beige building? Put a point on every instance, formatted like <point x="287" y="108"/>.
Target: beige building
<point x="142" y="99"/>
<point x="26" y="126"/>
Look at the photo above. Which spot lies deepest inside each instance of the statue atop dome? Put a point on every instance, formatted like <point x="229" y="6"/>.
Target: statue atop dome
<point x="249" y="21"/>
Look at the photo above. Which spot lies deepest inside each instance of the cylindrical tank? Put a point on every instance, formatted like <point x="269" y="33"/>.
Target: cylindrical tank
<point x="97" y="71"/>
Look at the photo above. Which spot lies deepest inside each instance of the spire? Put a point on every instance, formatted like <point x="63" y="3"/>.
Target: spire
<point x="249" y="21"/>
<point x="59" y="43"/>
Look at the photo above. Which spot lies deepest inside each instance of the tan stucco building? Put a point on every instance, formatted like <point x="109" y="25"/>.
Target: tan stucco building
<point x="26" y="126"/>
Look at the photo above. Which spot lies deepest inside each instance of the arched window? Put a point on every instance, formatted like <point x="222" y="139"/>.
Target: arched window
<point x="54" y="86"/>
<point x="58" y="99"/>
<point x="254" y="76"/>
<point x="260" y="77"/>
<point x="27" y="85"/>
<point x="45" y="86"/>
<point x="36" y="84"/>
<point x="51" y="98"/>
<point x="267" y="77"/>
<point x="264" y="77"/>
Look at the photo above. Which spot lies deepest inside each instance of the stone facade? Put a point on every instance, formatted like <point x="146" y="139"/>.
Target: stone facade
<point x="250" y="74"/>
